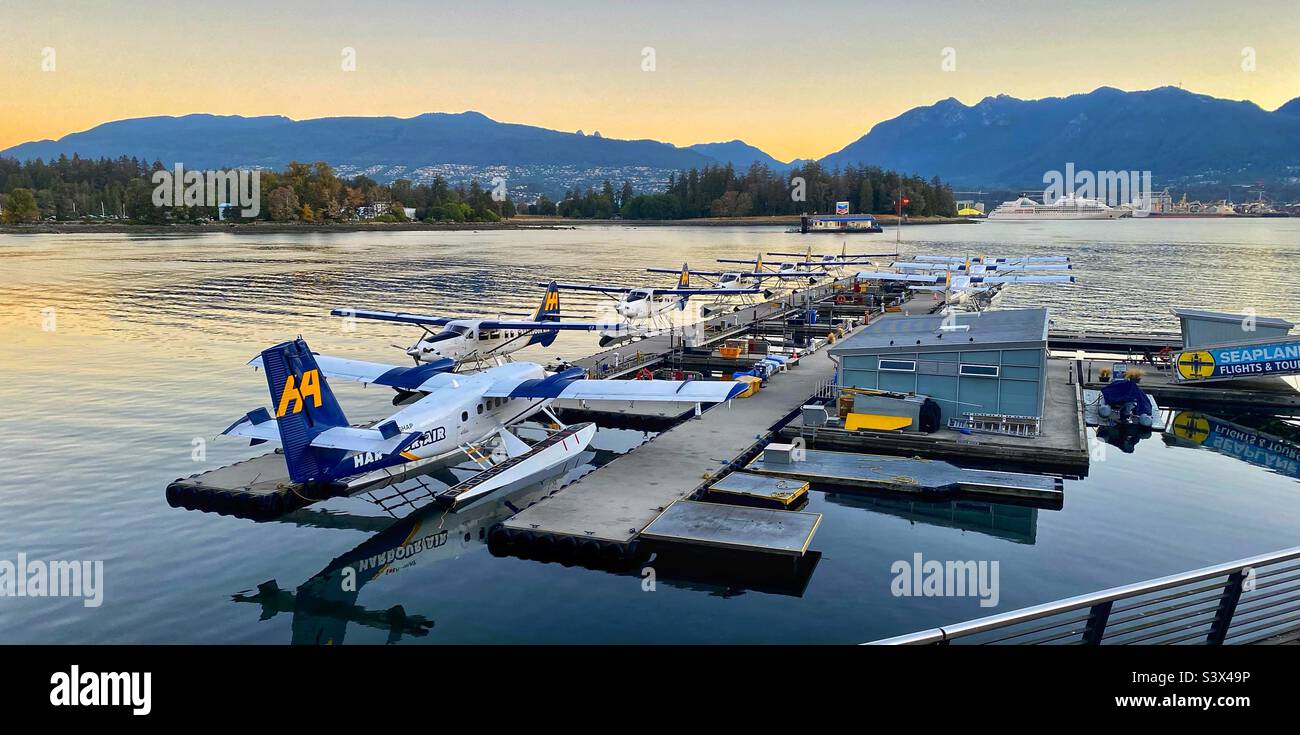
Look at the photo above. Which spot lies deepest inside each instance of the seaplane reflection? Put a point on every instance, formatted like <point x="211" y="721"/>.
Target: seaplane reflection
<point x="323" y="606"/>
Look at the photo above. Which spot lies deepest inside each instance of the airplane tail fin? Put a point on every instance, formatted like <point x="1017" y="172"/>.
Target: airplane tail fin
<point x="684" y="280"/>
<point x="304" y="407"/>
<point x="548" y="311"/>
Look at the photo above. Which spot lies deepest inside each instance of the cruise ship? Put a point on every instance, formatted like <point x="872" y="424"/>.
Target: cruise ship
<point x="1067" y="207"/>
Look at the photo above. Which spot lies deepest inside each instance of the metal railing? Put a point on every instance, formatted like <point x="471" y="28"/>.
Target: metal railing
<point x="1245" y="601"/>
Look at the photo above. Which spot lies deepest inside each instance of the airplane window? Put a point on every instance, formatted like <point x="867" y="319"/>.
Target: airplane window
<point x="480" y="409"/>
<point x="635" y="296"/>
<point x="458" y="329"/>
<point x="464" y="415"/>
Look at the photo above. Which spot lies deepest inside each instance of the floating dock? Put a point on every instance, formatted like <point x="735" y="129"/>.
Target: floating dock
<point x="739" y="528"/>
<point x="1261" y="395"/>
<point x="615" y="504"/>
<point x="1061" y="447"/>
<point x="909" y="475"/>
<point x="747" y="488"/>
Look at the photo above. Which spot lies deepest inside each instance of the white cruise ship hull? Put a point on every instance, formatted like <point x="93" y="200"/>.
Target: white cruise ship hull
<point x="1065" y="214"/>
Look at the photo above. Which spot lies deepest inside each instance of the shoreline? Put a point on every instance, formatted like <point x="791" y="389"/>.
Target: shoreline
<point x="519" y="222"/>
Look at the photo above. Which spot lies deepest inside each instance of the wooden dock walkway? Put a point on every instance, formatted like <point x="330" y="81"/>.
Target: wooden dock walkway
<point x="617" y="502"/>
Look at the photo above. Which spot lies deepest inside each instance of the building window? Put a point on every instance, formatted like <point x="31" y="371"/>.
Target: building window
<point x="980" y="371"/>
<point x="898" y="366"/>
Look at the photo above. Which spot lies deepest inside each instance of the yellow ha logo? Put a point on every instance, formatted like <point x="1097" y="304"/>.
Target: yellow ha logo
<point x="1195" y="365"/>
<point x="297" y="394"/>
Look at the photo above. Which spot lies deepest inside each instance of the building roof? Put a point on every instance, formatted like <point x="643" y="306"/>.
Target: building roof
<point x="1219" y="316"/>
<point x="984" y="329"/>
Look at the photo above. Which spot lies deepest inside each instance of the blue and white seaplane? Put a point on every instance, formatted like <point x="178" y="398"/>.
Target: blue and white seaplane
<point x="784" y="272"/>
<point x="982" y="266"/>
<point x="981" y="292"/>
<point x="473" y="340"/>
<point x="831" y="261"/>
<point x="648" y="303"/>
<point x="456" y="416"/>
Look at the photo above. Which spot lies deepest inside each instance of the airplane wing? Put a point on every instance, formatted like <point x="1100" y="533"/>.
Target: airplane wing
<point x="578" y="326"/>
<point x="1022" y="279"/>
<point x="751" y="261"/>
<point x="586" y="287"/>
<point x="394" y="316"/>
<point x="1002" y="267"/>
<point x="788" y="274"/>
<point x="908" y="277"/>
<point x="677" y="271"/>
<point x="904" y="265"/>
<point x="427" y="377"/>
<point x="706" y="291"/>
<point x="571" y="384"/>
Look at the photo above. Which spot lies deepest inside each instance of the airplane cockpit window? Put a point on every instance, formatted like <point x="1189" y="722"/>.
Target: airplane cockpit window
<point x="636" y="295"/>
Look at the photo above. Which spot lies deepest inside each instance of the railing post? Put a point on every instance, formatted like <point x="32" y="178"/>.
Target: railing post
<point x="1227" y="607"/>
<point x="1098" y="616"/>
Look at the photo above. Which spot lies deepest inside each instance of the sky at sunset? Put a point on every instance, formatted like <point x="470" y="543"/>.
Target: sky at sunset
<point x="797" y="79"/>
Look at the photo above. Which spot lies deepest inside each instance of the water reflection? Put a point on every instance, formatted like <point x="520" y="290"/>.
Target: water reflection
<point x="1272" y="442"/>
<point x="1017" y="523"/>
<point x="323" y="606"/>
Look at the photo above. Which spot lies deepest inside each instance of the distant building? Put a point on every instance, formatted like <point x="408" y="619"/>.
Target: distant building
<point x="371" y="211"/>
<point x="983" y="362"/>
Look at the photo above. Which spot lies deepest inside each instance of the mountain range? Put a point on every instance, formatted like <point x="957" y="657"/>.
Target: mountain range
<point x="999" y="141"/>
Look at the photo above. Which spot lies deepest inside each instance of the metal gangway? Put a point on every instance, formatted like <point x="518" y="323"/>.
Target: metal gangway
<point x="1253" y="600"/>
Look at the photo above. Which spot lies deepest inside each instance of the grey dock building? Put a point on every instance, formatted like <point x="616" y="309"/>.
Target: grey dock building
<point x="981" y="362"/>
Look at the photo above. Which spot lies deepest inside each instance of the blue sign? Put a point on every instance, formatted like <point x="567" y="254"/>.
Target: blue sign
<point x="1239" y="361"/>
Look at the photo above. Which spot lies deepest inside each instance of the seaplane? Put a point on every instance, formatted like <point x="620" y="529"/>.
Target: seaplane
<point x="980" y="292"/>
<point x="830" y="261"/>
<point x="979" y="267"/>
<point x="783" y="272"/>
<point x="648" y="303"/>
<point x="464" y="340"/>
<point x="457" y="414"/>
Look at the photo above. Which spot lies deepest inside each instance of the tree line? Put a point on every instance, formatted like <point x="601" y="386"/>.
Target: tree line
<point x="122" y="188"/>
<point x="719" y="191"/>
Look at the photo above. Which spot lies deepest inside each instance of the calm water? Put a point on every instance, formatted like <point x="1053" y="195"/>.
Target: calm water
<point x="148" y="356"/>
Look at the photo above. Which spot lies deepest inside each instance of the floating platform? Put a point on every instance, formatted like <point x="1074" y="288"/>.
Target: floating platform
<point x="260" y="489"/>
<point x="255" y="488"/>
<point x="1261" y="395"/>
<point x="908" y="475"/>
<point x="1061" y="447"/>
<point x="745" y="488"/>
<point x="737" y="528"/>
<point x="614" y="504"/>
